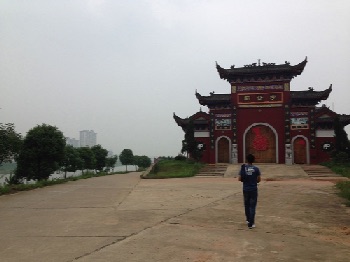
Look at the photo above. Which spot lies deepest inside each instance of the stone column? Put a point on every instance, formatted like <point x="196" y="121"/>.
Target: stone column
<point x="289" y="154"/>
<point x="234" y="154"/>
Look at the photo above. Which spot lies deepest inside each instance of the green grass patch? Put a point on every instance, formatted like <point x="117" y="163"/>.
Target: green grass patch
<point x="10" y="189"/>
<point x="341" y="169"/>
<point x="343" y="186"/>
<point x="175" y="169"/>
<point x="344" y="190"/>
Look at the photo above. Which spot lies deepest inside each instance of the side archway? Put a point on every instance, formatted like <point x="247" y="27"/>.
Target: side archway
<point x="301" y="151"/>
<point x="223" y="150"/>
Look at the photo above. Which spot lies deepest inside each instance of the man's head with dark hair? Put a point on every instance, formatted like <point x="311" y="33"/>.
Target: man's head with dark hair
<point x="250" y="158"/>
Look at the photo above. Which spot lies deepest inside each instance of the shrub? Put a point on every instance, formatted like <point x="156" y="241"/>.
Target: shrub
<point x="13" y="180"/>
<point x="180" y="157"/>
<point x="341" y="157"/>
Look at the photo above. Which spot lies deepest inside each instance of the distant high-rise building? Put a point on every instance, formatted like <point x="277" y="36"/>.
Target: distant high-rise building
<point x="110" y="153"/>
<point x="87" y="138"/>
<point x="72" y="141"/>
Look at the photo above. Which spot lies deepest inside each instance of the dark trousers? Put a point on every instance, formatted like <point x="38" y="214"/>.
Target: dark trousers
<point x="250" y="200"/>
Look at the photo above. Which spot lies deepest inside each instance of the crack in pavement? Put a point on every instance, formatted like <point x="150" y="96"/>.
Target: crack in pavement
<point x="42" y="236"/>
<point x="152" y="226"/>
<point x="56" y="208"/>
<point x="127" y="195"/>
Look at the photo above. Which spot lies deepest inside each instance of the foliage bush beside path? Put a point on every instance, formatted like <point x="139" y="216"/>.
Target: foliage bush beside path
<point x="14" y="188"/>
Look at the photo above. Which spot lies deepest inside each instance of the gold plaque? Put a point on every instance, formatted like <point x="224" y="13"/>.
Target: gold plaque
<point x="233" y="89"/>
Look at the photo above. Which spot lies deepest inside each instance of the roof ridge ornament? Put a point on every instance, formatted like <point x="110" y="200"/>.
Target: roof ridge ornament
<point x="259" y="64"/>
<point x="254" y="71"/>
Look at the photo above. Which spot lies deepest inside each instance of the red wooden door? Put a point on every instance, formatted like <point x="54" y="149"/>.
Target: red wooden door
<point x="261" y="142"/>
<point x="299" y="147"/>
<point x="223" y="151"/>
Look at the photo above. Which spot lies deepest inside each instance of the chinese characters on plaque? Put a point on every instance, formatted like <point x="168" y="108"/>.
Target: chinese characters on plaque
<point x="299" y="120"/>
<point x="260" y="98"/>
<point x="223" y="121"/>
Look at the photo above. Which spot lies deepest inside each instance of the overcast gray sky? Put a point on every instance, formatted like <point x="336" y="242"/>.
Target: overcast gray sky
<point x="121" y="68"/>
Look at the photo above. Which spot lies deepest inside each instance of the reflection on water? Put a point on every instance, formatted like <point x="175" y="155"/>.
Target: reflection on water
<point x="57" y="175"/>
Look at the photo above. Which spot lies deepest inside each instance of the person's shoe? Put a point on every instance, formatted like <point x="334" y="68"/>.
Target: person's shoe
<point x="247" y="222"/>
<point x="250" y="226"/>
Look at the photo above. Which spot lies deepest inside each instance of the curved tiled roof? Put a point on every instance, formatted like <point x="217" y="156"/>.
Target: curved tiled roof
<point x="309" y="96"/>
<point x="266" y="69"/>
<point x="214" y="99"/>
<point x="314" y="97"/>
<point x="343" y="119"/>
<point x="183" y="122"/>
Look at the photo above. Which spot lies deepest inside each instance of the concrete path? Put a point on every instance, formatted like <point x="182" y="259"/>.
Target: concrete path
<point x="123" y="218"/>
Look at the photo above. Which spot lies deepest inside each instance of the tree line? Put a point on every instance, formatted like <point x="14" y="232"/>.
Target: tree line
<point x="43" y="151"/>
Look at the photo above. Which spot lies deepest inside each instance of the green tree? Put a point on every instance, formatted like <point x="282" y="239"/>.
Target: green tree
<point x="126" y="157"/>
<point x="111" y="161"/>
<point x="71" y="161"/>
<point x="88" y="158"/>
<point x="342" y="143"/>
<point x="41" y="153"/>
<point x="100" y="157"/>
<point x="142" y="161"/>
<point x="135" y="160"/>
<point x="10" y="142"/>
<point x="189" y="144"/>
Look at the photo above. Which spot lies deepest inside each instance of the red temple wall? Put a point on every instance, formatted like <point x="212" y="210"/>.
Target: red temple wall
<point x="271" y="116"/>
<point x="322" y="155"/>
<point x="206" y="152"/>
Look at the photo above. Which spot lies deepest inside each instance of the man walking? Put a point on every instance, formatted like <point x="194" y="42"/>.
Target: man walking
<point x="250" y="176"/>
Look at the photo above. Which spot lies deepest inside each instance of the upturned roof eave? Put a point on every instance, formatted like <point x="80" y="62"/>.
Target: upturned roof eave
<point x="214" y="99"/>
<point x="183" y="122"/>
<point x="343" y="119"/>
<point x="310" y="95"/>
<point x="283" y="69"/>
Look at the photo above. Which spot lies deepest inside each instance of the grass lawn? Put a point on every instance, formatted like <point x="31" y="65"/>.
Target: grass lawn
<point x="344" y="186"/>
<point x="174" y="169"/>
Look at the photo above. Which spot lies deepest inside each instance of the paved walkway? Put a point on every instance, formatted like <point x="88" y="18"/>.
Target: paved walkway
<point x="123" y="218"/>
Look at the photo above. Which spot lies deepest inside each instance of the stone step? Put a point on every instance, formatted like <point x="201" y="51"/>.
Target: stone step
<point x="318" y="171"/>
<point x="323" y="175"/>
<point x="207" y="176"/>
<point x="213" y="170"/>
